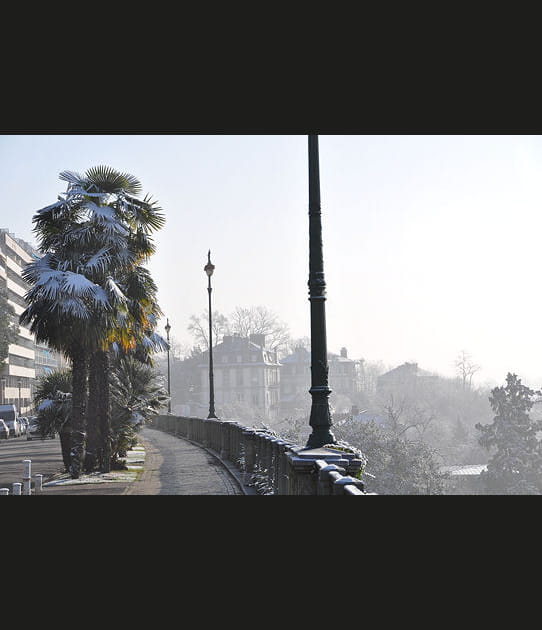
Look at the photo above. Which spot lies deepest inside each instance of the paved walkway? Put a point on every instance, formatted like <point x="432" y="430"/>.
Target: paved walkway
<point x="176" y="466"/>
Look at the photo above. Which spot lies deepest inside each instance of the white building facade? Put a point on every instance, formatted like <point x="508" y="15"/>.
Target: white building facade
<point x="245" y="373"/>
<point x="17" y="374"/>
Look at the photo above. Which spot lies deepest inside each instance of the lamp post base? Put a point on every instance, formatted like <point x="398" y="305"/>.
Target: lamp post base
<point x="320" y="419"/>
<point x="320" y="437"/>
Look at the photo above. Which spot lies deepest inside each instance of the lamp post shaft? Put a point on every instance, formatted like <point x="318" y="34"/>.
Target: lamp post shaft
<point x="168" y="373"/>
<point x="211" y="376"/>
<point x="320" y="416"/>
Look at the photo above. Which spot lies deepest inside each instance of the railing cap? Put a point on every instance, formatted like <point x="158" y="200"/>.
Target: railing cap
<point x="345" y="480"/>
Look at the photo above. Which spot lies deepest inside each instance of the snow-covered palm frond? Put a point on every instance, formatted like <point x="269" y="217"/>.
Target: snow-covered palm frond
<point x="36" y="268"/>
<point x="45" y="281"/>
<point x="99" y="261"/>
<point x="155" y="342"/>
<point x="124" y="257"/>
<point x="71" y="307"/>
<point x="55" y="285"/>
<point x="45" y="404"/>
<point x="76" y="284"/>
<point x="75" y="192"/>
<point x="72" y="177"/>
<point x="100" y="212"/>
<point x="48" y="287"/>
<point x="58" y="204"/>
<point x="111" y="227"/>
<point x="114" y="292"/>
<point x="106" y="219"/>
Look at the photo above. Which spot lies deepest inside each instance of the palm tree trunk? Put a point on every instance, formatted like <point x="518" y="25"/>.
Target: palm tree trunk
<point x="93" y="444"/>
<point x="79" y="395"/>
<point x="104" y="409"/>
<point x="65" y="446"/>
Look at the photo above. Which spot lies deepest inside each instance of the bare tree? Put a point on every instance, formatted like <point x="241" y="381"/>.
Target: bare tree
<point x="199" y="328"/>
<point x="242" y="322"/>
<point x="424" y="419"/>
<point x="402" y="416"/>
<point x="466" y="369"/>
<point x="394" y="411"/>
<point x="260" y="320"/>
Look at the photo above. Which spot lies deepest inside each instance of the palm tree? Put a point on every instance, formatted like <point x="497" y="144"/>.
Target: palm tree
<point x="92" y="238"/>
<point x="136" y="396"/>
<point x="53" y="401"/>
<point x="61" y="317"/>
<point x="130" y="320"/>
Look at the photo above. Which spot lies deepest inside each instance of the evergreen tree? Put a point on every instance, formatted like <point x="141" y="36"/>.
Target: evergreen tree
<point x="516" y="465"/>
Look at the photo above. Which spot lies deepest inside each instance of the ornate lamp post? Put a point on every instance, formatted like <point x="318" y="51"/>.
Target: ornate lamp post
<point x="168" y="328"/>
<point x="320" y="417"/>
<point x="209" y="268"/>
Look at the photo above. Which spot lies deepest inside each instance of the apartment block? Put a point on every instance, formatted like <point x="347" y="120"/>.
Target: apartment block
<point x="17" y="374"/>
<point x="245" y="372"/>
<point x="26" y="361"/>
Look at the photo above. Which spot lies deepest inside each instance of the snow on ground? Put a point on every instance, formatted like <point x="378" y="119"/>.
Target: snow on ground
<point x="134" y="461"/>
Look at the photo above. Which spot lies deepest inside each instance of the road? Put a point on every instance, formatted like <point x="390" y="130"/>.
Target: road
<point x="44" y="455"/>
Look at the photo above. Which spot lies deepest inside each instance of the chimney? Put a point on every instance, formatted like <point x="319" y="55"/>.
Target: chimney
<point x="258" y="339"/>
<point x="344" y="353"/>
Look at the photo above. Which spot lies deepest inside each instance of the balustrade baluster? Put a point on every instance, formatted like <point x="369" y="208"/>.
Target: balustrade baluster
<point x="250" y="454"/>
<point x="236" y="453"/>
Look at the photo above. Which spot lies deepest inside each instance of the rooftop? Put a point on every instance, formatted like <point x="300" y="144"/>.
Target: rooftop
<point x="471" y="469"/>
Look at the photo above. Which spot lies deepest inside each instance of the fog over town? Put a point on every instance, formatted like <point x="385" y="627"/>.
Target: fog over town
<point x="429" y="247"/>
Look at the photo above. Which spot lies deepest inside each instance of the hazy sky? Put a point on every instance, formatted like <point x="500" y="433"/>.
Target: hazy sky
<point x="431" y="242"/>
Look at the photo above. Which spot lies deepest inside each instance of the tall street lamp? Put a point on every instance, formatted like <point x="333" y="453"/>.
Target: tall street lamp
<point x="320" y="417"/>
<point x="209" y="268"/>
<point x="168" y="328"/>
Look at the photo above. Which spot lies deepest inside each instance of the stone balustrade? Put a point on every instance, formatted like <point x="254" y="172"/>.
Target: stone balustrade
<point x="268" y="463"/>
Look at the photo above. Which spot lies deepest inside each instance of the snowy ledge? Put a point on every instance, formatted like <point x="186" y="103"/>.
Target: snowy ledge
<point x="134" y="462"/>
